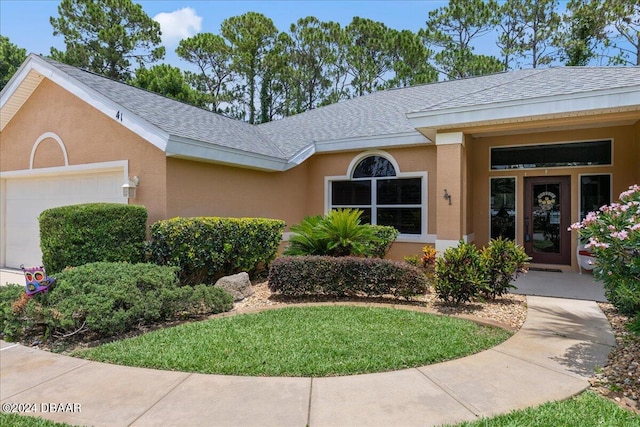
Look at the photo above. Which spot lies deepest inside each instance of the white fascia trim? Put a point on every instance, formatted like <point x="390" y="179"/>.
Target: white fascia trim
<point x="14" y="82"/>
<point x="450" y="138"/>
<point x="370" y="142"/>
<point x="118" y="165"/>
<point x="563" y="106"/>
<point x="181" y="147"/>
<point x="144" y="129"/>
<point x="301" y="156"/>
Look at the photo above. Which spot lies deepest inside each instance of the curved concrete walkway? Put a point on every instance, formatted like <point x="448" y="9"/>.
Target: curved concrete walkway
<point x="550" y="358"/>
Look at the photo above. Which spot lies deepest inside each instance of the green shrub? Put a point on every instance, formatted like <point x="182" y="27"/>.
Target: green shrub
<point x="502" y="261"/>
<point x="79" y="234"/>
<point x="344" y="276"/>
<point x="340" y="233"/>
<point x="464" y="272"/>
<point x="207" y="248"/>
<point x="413" y="260"/>
<point x="384" y="236"/>
<point x="99" y="300"/>
<point x="9" y="296"/>
<point x="458" y="274"/>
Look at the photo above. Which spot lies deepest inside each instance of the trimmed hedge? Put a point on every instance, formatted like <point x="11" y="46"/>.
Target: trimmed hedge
<point x="103" y="299"/>
<point x="207" y="248"/>
<point x="344" y="276"/>
<point x="79" y="234"/>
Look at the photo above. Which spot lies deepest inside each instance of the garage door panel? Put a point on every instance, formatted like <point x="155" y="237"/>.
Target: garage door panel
<point x="26" y="198"/>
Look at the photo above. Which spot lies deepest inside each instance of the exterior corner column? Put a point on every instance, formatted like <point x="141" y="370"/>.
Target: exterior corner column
<point x="451" y="196"/>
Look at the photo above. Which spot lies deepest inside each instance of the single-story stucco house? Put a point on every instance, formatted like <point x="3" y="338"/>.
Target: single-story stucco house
<point x="520" y="154"/>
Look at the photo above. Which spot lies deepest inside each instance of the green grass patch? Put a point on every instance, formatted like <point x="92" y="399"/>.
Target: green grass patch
<point x="304" y="341"/>
<point x="585" y="410"/>
<point x="16" y="420"/>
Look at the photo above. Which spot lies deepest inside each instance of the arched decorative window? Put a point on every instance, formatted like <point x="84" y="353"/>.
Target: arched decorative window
<point x="374" y="166"/>
<point x="385" y="196"/>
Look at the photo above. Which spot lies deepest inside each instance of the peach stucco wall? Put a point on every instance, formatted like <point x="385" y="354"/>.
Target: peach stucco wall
<point x="624" y="170"/>
<point x="88" y="136"/>
<point x="208" y="189"/>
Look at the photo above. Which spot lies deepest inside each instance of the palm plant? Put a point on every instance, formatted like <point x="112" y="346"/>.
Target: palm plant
<point x="340" y="233"/>
<point x="304" y="239"/>
<point x="345" y="235"/>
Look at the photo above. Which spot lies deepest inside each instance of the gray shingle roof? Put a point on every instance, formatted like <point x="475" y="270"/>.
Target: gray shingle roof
<point x="379" y="113"/>
<point x="176" y="118"/>
<point x="541" y="83"/>
<point x="374" y="115"/>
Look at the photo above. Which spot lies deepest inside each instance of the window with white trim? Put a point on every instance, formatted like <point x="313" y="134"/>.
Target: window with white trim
<point x="384" y="196"/>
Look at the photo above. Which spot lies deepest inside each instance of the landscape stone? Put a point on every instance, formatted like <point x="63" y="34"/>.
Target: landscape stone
<point x="237" y="285"/>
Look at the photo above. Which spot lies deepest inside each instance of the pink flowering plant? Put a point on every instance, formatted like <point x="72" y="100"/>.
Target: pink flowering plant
<point x="612" y="234"/>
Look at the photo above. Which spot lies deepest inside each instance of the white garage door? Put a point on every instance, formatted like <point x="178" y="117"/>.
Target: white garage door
<point x="26" y="198"/>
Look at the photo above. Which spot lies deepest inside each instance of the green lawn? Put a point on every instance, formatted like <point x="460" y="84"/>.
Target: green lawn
<point x="16" y="420"/>
<point x="585" y="410"/>
<point x="304" y="341"/>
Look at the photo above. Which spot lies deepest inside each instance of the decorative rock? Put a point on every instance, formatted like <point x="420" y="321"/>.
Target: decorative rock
<point x="237" y="285"/>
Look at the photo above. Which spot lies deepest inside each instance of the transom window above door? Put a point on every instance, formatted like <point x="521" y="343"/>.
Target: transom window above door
<point x="375" y="186"/>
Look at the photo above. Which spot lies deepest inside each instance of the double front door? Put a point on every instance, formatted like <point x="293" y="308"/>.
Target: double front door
<point x="547" y="216"/>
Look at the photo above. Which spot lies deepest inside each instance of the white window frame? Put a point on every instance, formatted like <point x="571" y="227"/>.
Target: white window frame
<point x="423" y="237"/>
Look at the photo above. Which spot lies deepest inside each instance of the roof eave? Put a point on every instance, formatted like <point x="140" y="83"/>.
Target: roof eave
<point x="619" y="99"/>
<point x="202" y="151"/>
<point x="371" y="142"/>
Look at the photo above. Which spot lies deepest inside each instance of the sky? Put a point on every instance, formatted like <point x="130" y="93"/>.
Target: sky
<point x="26" y="22"/>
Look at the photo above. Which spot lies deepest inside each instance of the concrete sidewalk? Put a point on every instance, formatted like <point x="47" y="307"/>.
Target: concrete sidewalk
<point x="550" y="358"/>
<point x="568" y="284"/>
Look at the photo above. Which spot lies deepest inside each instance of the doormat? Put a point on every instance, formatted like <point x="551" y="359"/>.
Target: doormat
<point x="549" y="270"/>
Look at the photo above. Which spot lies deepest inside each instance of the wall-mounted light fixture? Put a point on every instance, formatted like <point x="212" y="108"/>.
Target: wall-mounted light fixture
<point x="447" y="196"/>
<point x="129" y="187"/>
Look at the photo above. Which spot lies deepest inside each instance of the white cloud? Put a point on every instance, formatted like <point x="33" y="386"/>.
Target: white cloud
<point x="178" y="25"/>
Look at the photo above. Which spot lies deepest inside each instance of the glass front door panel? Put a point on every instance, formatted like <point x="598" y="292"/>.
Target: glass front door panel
<point x="546" y="218"/>
<point x="547" y="215"/>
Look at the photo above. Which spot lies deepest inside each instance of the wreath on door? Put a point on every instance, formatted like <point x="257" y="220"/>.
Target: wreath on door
<point x="546" y="200"/>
